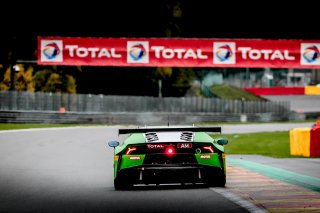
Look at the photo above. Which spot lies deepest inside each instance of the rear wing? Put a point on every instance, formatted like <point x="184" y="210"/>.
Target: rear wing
<point x="171" y="129"/>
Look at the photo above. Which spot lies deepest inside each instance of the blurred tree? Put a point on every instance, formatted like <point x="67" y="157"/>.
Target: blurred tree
<point x="53" y="84"/>
<point x="2" y="72"/>
<point x="70" y="83"/>
<point x="5" y="83"/>
<point x="164" y="72"/>
<point x="25" y="78"/>
<point x="174" y="81"/>
<point x="174" y="20"/>
<point x="178" y="83"/>
<point x="40" y="78"/>
<point x="52" y="80"/>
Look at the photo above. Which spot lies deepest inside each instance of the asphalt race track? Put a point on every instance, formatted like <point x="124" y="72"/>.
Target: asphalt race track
<point x="70" y="170"/>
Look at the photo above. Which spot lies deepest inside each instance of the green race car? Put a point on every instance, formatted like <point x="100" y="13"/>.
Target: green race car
<point x="162" y="155"/>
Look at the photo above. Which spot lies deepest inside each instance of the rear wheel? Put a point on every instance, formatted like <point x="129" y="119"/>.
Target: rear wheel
<point x="221" y="181"/>
<point x="217" y="181"/>
<point x="121" y="184"/>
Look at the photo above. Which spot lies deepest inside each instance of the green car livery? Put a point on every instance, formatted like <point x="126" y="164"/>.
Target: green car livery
<point x="162" y="155"/>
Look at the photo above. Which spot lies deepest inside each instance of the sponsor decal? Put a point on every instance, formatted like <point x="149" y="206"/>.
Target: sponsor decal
<point x="51" y="51"/>
<point x="205" y="156"/>
<point x="134" y="158"/>
<point x="138" y="52"/>
<point x="178" y="53"/>
<point x="155" y="146"/>
<point x="184" y="145"/>
<point x="92" y="52"/>
<point x="310" y="54"/>
<point x="266" y="54"/>
<point x="224" y="53"/>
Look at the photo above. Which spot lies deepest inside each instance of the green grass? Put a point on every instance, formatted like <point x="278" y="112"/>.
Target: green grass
<point x="5" y="126"/>
<point x="229" y="92"/>
<point x="216" y="123"/>
<point x="273" y="144"/>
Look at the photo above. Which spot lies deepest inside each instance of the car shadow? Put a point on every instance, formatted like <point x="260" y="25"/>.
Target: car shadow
<point x="147" y="187"/>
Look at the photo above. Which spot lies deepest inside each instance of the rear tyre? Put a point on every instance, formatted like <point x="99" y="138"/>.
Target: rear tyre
<point x="221" y="181"/>
<point x="120" y="184"/>
<point x="217" y="181"/>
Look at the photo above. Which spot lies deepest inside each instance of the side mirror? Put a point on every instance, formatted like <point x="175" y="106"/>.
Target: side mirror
<point x="113" y="143"/>
<point x="222" y="141"/>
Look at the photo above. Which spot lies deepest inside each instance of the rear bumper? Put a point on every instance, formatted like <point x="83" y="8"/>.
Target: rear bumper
<point x="156" y="174"/>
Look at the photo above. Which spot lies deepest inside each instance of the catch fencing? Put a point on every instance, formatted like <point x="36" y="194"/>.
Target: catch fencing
<point x="53" y="102"/>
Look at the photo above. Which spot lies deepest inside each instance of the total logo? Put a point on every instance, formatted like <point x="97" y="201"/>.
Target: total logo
<point x="310" y="54"/>
<point x="224" y="53"/>
<point x="51" y="51"/>
<point x="138" y="52"/>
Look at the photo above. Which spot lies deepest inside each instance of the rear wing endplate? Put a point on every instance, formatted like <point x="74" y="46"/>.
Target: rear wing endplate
<point x="171" y="129"/>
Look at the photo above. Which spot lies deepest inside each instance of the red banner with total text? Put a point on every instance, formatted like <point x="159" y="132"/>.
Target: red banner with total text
<point x="179" y="52"/>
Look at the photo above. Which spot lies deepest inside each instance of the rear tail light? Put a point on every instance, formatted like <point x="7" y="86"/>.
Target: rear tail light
<point x="130" y="150"/>
<point x="170" y="151"/>
<point x="209" y="148"/>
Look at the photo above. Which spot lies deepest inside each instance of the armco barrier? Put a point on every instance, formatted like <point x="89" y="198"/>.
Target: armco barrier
<point x="276" y="90"/>
<point x="149" y="118"/>
<point x="307" y="90"/>
<point x="312" y="90"/>
<point x="305" y="141"/>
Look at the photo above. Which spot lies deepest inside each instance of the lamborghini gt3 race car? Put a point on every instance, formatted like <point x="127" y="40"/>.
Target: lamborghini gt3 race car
<point x="160" y="155"/>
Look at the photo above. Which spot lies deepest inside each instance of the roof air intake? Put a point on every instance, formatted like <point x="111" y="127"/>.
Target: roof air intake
<point x="151" y="136"/>
<point x="186" y="136"/>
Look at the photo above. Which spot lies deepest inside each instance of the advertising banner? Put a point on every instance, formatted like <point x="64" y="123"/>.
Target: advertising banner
<point x="178" y="52"/>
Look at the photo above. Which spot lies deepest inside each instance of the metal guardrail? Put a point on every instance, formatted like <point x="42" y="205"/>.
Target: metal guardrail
<point x="140" y="118"/>
<point x="53" y="102"/>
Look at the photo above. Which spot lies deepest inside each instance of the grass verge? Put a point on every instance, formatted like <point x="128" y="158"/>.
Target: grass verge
<point x="6" y="126"/>
<point x="273" y="144"/>
<point x="229" y="92"/>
